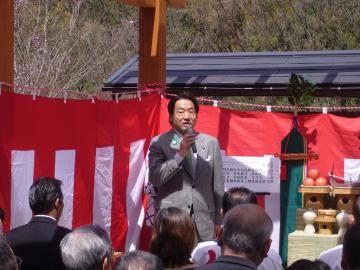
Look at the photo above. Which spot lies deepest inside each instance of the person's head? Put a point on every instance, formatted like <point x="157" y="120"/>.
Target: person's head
<point x="7" y="257"/>
<point x="183" y="110"/>
<point x="237" y="195"/>
<point x="139" y="260"/>
<point x="173" y="237"/>
<point x="2" y="215"/>
<point x="356" y="210"/>
<point x="309" y="265"/>
<point x="351" y="243"/>
<point x="46" y="197"/>
<point x="247" y="231"/>
<point x="86" y="248"/>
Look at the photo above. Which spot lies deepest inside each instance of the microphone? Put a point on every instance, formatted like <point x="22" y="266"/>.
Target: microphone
<point x="189" y="129"/>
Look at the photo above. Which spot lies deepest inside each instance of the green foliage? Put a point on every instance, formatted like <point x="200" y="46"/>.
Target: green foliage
<point x="300" y="91"/>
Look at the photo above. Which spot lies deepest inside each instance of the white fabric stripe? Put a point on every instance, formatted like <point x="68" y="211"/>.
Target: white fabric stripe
<point x="103" y="187"/>
<point x="22" y="176"/>
<point x="65" y="171"/>
<point x="352" y="169"/>
<point x="134" y="208"/>
<point x="272" y="207"/>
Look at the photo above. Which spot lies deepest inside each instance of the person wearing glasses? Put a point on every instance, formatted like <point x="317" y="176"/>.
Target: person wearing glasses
<point x="38" y="242"/>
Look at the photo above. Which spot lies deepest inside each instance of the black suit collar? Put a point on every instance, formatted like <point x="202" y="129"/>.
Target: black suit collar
<point x="43" y="219"/>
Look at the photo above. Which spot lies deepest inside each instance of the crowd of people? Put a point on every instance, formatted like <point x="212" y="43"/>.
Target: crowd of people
<point x="243" y="242"/>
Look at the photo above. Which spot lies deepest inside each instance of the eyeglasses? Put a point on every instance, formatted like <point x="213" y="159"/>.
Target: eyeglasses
<point x="18" y="261"/>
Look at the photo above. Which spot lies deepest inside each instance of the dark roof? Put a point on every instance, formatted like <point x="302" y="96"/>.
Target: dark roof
<point x="335" y="73"/>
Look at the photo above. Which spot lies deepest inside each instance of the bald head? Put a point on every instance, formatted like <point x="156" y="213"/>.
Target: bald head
<point x="247" y="229"/>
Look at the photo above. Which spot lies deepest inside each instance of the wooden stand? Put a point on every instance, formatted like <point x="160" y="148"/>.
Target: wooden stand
<point x="314" y="197"/>
<point x="326" y="220"/>
<point x="345" y="197"/>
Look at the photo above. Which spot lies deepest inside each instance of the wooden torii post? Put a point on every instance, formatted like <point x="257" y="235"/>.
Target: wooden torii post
<point x="152" y="38"/>
<point x="7" y="42"/>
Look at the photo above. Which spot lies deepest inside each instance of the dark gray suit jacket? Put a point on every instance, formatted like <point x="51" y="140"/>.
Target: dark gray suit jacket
<point x="177" y="187"/>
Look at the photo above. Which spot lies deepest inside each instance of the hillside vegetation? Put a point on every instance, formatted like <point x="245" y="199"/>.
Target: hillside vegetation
<point x="76" y="44"/>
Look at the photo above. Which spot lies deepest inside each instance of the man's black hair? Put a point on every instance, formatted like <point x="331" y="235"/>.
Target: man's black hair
<point x="184" y="95"/>
<point x="43" y="194"/>
<point x="237" y="195"/>
<point x="2" y="214"/>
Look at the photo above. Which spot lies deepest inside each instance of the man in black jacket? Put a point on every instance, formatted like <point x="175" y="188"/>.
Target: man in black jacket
<point x="38" y="242"/>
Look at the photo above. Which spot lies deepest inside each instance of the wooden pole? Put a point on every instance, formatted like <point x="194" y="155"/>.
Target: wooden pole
<point x="7" y="42"/>
<point x="152" y="44"/>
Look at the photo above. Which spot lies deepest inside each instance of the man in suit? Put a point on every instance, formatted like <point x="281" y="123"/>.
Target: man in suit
<point x="185" y="177"/>
<point x="245" y="239"/>
<point x="38" y="242"/>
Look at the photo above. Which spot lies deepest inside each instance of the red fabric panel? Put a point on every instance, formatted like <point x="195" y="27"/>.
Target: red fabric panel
<point x="5" y="183"/>
<point x="6" y="123"/>
<point x="261" y="200"/>
<point x="334" y="138"/>
<point x="51" y="123"/>
<point x="120" y="124"/>
<point x="44" y="162"/>
<point x="83" y="186"/>
<point x="119" y="223"/>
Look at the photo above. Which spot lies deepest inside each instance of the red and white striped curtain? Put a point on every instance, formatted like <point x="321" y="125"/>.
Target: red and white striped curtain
<point x="98" y="150"/>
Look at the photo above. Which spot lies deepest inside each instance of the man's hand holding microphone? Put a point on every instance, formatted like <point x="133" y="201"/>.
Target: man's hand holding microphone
<point x="188" y="140"/>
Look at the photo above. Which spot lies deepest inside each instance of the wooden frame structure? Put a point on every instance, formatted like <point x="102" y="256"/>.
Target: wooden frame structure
<point x="152" y="37"/>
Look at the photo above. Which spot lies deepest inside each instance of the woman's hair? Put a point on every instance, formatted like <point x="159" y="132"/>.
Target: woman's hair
<point x="173" y="237"/>
<point x="309" y="265"/>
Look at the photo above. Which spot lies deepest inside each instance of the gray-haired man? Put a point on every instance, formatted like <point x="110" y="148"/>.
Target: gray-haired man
<point x="87" y="248"/>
